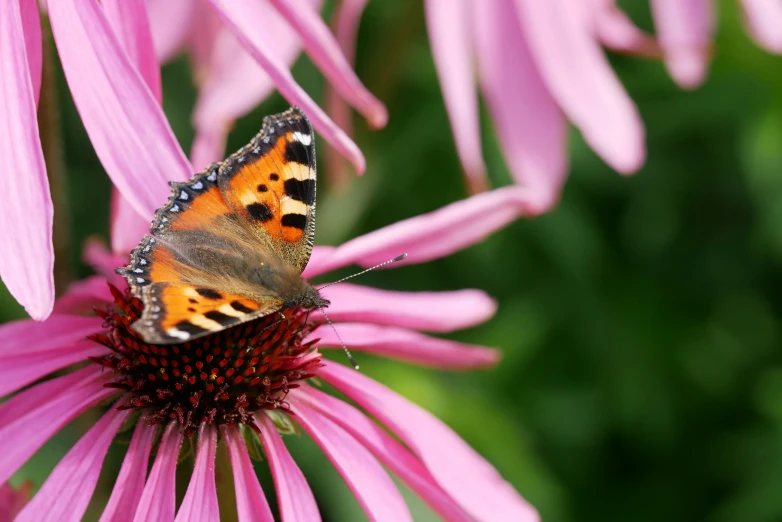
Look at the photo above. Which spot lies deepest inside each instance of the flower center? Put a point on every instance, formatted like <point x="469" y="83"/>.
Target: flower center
<point x="221" y="378"/>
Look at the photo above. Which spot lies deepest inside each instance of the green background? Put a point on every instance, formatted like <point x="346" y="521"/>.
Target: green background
<point x="642" y="376"/>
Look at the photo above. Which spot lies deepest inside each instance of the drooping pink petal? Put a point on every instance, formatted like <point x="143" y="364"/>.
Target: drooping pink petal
<point x="171" y="24"/>
<point x="251" y="504"/>
<point x="684" y="29"/>
<point x="406" y="345"/>
<point x="127" y="225"/>
<point x="241" y="19"/>
<point x="22" y="368"/>
<point x="83" y="295"/>
<point x="158" y="501"/>
<point x="235" y="83"/>
<point x="764" y="22"/>
<point x="530" y="126"/>
<point x="370" y="484"/>
<point x="131" y="26"/>
<point x="130" y="23"/>
<point x="129" y="485"/>
<point x="294" y="496"/>
<point x="67" y="492"/>
<point x="27" y="262"/>
<point x="103" y="261"/>
<point x="387" y="450"/>
<point x="19" y="337"/>
<point x="31" y="27"/>
<point x="433" y="235"/>
<point x="12" y="500"/>
<point x="31" y="398"/>
<point x="319" y="263"/>
<point x="324" y="50"/>
<point x="430" y="311"/>
<point x="450" y="28"/>
<point x="126" y="125"/>
<point x="200" y="502"/>
<point x="344" y="23"/>
<point x="617" y="32"/>
<point x="458" y="469"/>
<point x="30" y="429"/>
<point x="561" y="36"/>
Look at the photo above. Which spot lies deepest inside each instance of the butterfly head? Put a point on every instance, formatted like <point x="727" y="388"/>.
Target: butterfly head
<point x="310" y="298"/>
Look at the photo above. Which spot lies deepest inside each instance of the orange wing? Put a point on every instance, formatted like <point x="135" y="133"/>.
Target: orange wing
<point x="270" y="184"/>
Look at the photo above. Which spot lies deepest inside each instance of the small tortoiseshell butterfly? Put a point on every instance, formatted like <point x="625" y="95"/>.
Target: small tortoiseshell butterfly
<point x="231" y="243"/>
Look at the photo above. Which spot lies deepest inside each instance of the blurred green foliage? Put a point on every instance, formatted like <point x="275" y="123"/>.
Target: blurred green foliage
<point x="642" y="376"/>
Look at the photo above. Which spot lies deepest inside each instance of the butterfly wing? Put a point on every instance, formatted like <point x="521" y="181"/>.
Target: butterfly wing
<point x="270" y="185"/>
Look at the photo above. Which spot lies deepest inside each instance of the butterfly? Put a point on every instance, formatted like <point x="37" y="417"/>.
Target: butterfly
<point x="231" y="243"/>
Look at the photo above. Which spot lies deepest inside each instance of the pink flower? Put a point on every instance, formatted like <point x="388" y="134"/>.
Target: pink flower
<point x="541" y="64"/>
<point x="250" y="382"/>
<point x="107" y="54"/>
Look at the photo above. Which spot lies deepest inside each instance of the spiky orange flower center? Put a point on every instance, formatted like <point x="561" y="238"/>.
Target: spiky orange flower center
<point x="223" y="378"/>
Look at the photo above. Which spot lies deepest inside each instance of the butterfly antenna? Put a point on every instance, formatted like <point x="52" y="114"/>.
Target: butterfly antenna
<point x="347" y="352"/>
<point x="384" y="263"/>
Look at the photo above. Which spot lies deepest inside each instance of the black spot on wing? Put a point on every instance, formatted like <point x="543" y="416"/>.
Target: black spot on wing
<point x="192" y="300"/>
<point x="260" y="212"/>
<point x="297" y="152"/>
<point x="221" y="318"/>
<point x="239" y="307"/>
<point x="191" y="309"/>
<point x="209" y="293"/>
<point x="274" y="176"/>
<point x="262" y="188"/>
<point x="301" y="190"/>
<point x="190" y="328"/>
<point x="294" y="220"/>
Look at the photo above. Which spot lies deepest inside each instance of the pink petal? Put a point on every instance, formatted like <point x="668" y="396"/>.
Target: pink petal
<point x="82" y="296"/>
<point x="325" y="52"/>
<point x="171" y="23"/>
<point x="30" y="429"/>
<point x="31" y="26"/>
<point x="22" y="368"/>
<point x="235" y="83"/>
<point x="764" y="22"/>
<point x="459" y="470"/>
<point x="433" y="235"/>
<point x="241" y="19"/>
<point x="344" y="22"/>
<point x="388" y="451"/>
<point x="27" y="264"/>
<point x="251" y="504"/>
<point x="294" y="496"/>
<point x="684" y="29"/>
<point x="158" y="501"/>
<point x="200" y="502"/>
<point x="131" y="26"/>
<point x="127" y="225"/>
<point x="19" y="337"/>
<point x="406" y="345"/>
<point x="129" y="485"/>
<point x="30" y="398"/>
<point x="617" y="32"/>
<point x="449" y="25"/>
<point x="530" y="126"/>
<point x="318" y="263"/>
<point x="371" y="485"/>
<point x="562" y="38"/>
<point x="68" y="489"/>
<point x="125" y="123"/>
<point x="103" y="261"/>
<point x="430" y="311"/>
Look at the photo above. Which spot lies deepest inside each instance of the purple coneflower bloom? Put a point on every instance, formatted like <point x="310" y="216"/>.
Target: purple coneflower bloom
<point x="107" y="53"/>
<point x="541" y="64"/>
<point x="253" y="379"/>
<point x="13" y="499"/>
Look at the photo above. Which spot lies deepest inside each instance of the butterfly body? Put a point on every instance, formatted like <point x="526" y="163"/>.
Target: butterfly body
<point x="231" y="243"/>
